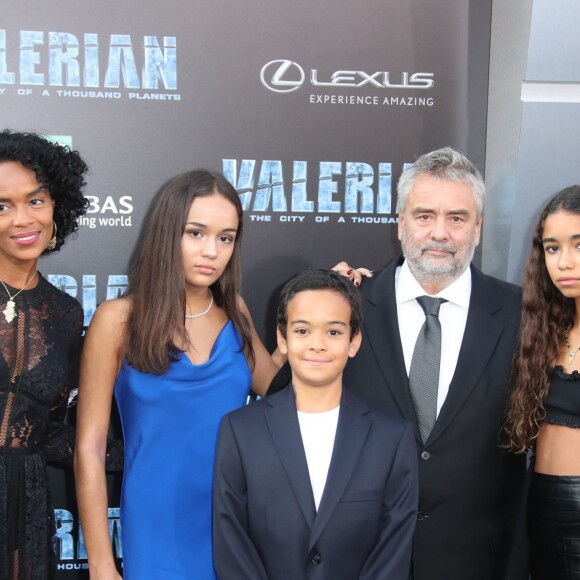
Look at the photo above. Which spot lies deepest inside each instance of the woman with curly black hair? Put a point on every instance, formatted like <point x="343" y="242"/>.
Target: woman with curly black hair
<point x="40" y="328"/>
<point x="544" y="409"/>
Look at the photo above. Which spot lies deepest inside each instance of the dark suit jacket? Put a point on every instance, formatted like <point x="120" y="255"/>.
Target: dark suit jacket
<point x="265" y="525"/>
<point x="469" y="487"/>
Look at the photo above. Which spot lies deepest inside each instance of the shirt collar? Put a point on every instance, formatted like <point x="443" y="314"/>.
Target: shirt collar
<point x="407" y="288"/>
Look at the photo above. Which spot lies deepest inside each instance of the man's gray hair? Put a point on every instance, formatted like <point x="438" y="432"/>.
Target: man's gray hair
<point x="445" y="164"/>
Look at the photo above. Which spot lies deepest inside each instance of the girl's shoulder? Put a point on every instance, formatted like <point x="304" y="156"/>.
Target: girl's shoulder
<point x="112" y="313"/>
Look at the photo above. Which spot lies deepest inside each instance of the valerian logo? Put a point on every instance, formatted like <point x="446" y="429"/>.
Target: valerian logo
<point x="88" y="65"/>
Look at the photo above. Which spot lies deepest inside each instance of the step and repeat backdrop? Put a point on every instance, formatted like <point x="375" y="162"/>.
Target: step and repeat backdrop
<point x="310" y="109"/>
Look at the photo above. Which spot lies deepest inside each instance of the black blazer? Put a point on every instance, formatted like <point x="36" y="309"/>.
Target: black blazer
<point x="469" y="486"/>
<point x="265" y="525"/>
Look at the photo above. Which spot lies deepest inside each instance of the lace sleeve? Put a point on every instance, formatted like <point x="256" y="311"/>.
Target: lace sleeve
<point x="60" y="440"/>
<point x="60" y="437"/>
<point x="59" y="443"/>
<point x="115" y="455"/>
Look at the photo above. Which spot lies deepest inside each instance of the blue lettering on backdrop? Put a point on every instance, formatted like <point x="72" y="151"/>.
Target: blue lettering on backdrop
<point x="91" y="72"/>
<point x="299" y="193"/>
<point x="271" y="183"/>
<point x="29" y="58"/>
<point x="359" y="179"/>
<point x="63" y="51"/>
<point x="362" y="189"/>
<point x="116" y="286"/>
<point x="5" y="76"/>
<point x="63" y="67"/>
<point x="121" y="60"/>
<point x="69" y="547"/>
<point x="160" y="64"/>
<point x="327" y="187"/>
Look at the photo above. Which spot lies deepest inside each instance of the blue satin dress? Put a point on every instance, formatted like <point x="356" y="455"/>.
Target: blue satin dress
<point x="170" y="424"/>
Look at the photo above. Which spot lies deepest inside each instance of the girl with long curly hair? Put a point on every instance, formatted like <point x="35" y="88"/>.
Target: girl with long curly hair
<point x="544" y="409"/>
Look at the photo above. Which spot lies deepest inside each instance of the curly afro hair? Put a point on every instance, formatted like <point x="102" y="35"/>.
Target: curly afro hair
<point x="58" y="169"/>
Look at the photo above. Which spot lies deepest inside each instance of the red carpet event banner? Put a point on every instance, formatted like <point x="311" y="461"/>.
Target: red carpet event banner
<point x="311" y="110"/>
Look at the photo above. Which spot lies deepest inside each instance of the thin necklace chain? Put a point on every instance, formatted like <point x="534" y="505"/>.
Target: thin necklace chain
<point x="10" y="310"/>
<point x="572" y="352"/>
<point x="190" y="316"/>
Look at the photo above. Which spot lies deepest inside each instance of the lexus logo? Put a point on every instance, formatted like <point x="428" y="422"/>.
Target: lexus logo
<point x="282" y="76"/>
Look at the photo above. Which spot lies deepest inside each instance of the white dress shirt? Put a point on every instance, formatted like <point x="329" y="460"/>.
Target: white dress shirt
<point x="452" y="315"/>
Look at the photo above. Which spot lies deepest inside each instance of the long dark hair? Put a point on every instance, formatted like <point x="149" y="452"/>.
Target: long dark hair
<point x="546" y="316"/>
<point x="157" y="279"/>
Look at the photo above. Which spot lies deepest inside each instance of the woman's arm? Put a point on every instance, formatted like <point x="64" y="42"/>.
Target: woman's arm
<point x="267" y="365"/>
<point x="99" y="367"/>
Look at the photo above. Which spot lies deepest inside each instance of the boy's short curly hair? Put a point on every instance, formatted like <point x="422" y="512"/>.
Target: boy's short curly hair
<point x="58" y="169"/>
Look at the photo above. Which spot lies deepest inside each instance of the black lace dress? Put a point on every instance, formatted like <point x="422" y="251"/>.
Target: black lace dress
<point x="36" y="351"/>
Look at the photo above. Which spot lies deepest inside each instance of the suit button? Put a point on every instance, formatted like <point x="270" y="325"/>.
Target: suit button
<point x="315" y="559"/>
<point x="421" y="516"/>
<point x="425" y="455"/>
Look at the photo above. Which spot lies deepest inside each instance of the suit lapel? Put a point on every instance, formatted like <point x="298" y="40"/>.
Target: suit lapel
<point x="382" y="334"/>
<point x="482" y="332"/>
<point x="351" y="434"/>
<point x="282" y="421"/>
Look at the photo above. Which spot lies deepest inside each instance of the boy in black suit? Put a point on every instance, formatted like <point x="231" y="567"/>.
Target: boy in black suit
<point x="310" y="483"/>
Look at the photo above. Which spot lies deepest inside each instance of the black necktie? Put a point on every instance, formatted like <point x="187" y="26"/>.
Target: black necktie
<point x="424" y="372"/>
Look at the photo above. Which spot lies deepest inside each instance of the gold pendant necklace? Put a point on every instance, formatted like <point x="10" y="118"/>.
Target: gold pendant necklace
<point x="10" y="310"/>
<point x="571" y="351"/>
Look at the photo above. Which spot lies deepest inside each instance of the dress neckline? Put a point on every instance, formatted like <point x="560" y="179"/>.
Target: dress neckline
<point x="187" y="360"/>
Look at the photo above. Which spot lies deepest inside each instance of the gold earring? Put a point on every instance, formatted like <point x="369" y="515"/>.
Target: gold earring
<point x="52" y="243"/>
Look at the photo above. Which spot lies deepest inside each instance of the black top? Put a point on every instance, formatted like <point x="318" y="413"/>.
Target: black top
<point x="36" y="350"/>
<point x="563" y="401"/>
<point x="39" y="349"/>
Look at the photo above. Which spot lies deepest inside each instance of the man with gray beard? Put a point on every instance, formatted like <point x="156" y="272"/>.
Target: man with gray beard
<point x="446" y="370"/>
